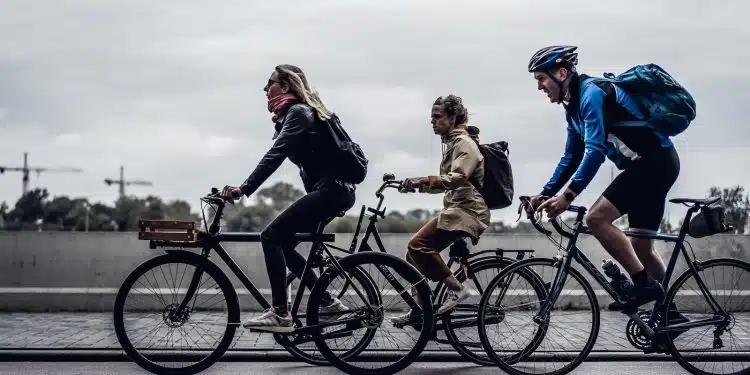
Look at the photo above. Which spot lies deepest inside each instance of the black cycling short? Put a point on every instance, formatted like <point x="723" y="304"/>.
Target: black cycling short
<point x="641" y="190"/>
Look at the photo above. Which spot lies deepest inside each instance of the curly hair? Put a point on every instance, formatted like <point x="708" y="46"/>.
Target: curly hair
<point x="453" y="106"/>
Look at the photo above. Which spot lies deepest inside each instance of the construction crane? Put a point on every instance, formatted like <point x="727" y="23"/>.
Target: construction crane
<point x="122" y="183"/>
<point x="25" y="169"/>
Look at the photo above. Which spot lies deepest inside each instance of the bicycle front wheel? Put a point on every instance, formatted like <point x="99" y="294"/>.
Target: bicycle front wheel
<point x="554" y="343"/>
<point x="395" y="341"/>
<point x="176" y="314"/>
<point x="722" y="344"/>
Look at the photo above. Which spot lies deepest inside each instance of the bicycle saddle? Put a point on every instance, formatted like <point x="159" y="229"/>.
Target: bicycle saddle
<point x="699" y="201"/>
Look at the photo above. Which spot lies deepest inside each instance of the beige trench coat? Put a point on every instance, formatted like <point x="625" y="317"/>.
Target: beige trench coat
<point x="464" y="208"/>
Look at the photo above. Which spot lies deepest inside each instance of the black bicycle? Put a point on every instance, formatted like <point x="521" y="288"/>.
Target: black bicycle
<point x="690" y="312"/>
<point x="459" y="325"/>
<point x="204" y="301"/>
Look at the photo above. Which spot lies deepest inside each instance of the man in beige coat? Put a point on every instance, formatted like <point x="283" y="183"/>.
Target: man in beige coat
<point x="464" y="211"/>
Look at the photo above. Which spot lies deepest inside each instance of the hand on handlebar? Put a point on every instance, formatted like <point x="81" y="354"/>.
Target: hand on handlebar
<point x="411" y="185"/>
<point x="527" y="206"/>
<point x="230" y="193"/>
<point x="536" y="200"/>
<point x="554" y="206"/>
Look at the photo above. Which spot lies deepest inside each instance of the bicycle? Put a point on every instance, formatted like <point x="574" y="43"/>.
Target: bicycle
<point x="176" y="315"/>
<point x="470" y="266"/>
<point x="650" y="331"/>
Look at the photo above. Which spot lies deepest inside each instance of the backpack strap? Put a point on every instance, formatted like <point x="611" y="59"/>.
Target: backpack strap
<point x="613" y="111"/>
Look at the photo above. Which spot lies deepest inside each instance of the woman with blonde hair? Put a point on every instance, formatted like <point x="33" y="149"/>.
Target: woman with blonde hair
<point x="298" y="117"/>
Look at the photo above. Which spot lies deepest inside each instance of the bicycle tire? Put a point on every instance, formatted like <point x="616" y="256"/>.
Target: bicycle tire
<point x="506" y="365"/>
<point x="177" y="257"/>
<point x="283" y="339"/>
<point x="475" y="265"/>
<point x="685" y="276"/>
<point x="405" y="270"/>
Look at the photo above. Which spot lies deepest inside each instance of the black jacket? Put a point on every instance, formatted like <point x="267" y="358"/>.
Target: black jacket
<point x="300" y="137"/>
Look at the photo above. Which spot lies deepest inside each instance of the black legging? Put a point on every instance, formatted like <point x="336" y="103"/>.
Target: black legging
<point x="302" y="216"/>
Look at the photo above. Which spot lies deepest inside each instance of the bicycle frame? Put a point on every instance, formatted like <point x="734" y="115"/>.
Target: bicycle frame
<point x="572" y="252"/>
<point x="372" y="230"/>
<point x="211" y="240"/>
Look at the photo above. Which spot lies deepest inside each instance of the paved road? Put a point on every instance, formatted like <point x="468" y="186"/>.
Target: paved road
<point x="227" y="368"/>
<point x="95" y="331"/>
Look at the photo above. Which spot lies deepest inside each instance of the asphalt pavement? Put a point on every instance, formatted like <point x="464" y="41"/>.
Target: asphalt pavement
<point x="261" y="368"/>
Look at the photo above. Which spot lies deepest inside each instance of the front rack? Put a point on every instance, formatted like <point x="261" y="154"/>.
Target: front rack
<point x="167" y="230"/>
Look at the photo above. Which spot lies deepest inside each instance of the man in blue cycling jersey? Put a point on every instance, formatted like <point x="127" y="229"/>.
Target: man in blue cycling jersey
<point x="602" y="121"/>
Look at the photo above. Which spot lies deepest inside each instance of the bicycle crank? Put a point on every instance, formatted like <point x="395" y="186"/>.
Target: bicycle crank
<point x="635" y="334"/>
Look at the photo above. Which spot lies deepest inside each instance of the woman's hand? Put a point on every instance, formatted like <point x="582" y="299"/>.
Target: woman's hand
<point x="230" y="193"/>
<point x="412" y="184"/>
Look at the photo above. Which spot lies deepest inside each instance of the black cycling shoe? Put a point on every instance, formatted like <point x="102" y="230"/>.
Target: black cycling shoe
<point x="642" y="294"/>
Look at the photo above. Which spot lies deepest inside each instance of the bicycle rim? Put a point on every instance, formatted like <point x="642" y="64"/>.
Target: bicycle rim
<point x="460" y="326"/>
<point x="152" y="318"/>
<point x="381" y="356"/>
<point x="302" y="346"/>
<point x="726" y="281"/>
<point x="514" y="295"/>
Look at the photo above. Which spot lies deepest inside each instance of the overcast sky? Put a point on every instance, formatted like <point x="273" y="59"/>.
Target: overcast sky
<point x="172" y="90"/>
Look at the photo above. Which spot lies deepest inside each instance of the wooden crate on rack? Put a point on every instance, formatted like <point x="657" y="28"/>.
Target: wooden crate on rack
<point x="167" y="230"/>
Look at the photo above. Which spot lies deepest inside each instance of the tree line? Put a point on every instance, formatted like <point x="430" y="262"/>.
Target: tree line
<point x="37" y="210"/>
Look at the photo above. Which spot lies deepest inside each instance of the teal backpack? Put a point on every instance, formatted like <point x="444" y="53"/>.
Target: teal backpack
<point x="669" y="107"/>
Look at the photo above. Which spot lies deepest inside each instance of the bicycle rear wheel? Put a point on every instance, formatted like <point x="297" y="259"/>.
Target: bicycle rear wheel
<point x="394" y="278"/>
<point x="302" y="345"/>
<point x="718" y="348"/>
<point x="212" y="313"/>
<point x="460" y="325"/>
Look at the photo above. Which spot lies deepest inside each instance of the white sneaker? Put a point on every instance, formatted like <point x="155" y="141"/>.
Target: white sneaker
<point x="332" y="311"/>
<point x="271" y="322"/>
<point x="401" y="319"/>
<point x="453" y="299"/>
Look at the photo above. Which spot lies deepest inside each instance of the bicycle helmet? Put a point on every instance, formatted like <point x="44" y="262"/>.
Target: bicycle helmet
<point x="553" y="56"/>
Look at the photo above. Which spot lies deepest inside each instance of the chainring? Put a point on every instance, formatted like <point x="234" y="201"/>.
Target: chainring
<point x="635" y="334"/>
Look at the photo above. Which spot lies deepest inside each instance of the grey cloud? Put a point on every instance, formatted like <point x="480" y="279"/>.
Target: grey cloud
<point x="140" y="83"/>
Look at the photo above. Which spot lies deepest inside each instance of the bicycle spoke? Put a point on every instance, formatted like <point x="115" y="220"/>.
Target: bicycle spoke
<point x="727" y="282"/>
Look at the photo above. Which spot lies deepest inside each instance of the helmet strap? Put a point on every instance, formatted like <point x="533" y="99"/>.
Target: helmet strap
<point x="560" y="93"/>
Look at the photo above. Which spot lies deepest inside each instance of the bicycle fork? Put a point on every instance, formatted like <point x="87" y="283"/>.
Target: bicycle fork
<point x="562" y="263"/>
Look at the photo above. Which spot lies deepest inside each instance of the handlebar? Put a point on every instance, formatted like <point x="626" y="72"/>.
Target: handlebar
<point x="214" y="198"/>
<point x="530" y="214"/>
<point x="389" y="180"/>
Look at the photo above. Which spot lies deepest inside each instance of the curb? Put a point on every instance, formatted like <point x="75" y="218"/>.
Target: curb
<point x="112" y="355"/>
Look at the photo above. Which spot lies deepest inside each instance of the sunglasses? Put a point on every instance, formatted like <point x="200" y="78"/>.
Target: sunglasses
<point x="270" y="83"/>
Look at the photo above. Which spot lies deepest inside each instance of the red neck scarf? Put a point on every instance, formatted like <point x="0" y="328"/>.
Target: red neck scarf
<point x="280" y="104"/>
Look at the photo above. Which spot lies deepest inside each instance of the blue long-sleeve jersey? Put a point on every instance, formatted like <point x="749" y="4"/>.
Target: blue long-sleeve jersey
<point x="587" y="142"/>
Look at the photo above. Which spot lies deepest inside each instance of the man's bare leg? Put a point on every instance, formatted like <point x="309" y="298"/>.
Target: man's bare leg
<point x="616" y="243"/>
<point x="644" y="249"/>
<point x="599" y="221"/>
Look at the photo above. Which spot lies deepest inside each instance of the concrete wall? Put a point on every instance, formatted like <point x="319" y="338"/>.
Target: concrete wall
<point x="53" y="271"/>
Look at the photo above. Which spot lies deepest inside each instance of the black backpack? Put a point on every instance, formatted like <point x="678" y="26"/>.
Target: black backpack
<point x="498" y="175"/>
<point x="350" y="162"/>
